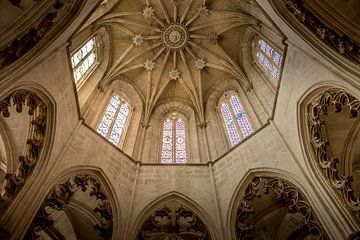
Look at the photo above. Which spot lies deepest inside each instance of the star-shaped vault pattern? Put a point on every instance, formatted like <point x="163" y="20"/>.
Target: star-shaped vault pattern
<point x="179" y="40"/>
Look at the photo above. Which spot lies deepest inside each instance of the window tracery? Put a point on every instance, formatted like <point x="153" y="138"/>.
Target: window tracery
<point x="83" y="60"/>
<point x="236" y="121"/>
<point x="173" y="147"/>
<point x="114" y="120"/>
<point x="268" y="58"/>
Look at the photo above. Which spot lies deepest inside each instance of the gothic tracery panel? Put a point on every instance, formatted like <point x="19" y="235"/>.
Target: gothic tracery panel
<point x="255" y="217"/>
<point x="337" y="100"/>
<point x="37" y="111"/>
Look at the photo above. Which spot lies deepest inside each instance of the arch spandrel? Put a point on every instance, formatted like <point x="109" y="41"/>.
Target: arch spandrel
<point x="170" y="203"/>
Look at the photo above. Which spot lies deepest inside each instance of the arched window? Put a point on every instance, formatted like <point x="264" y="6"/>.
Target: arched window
<point x="268" y="58"/>
<point x="83" y="60"/>
<point x="173" y="147"/>
<point x="236" y="122"/>
<point x="113" y="123"/>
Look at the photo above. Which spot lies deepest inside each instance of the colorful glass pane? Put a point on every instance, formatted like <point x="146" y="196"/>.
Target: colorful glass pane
<point x="180" y="146"/>
<point x="109" y="115"/>
<point x="241" y="118"/>
<point x="113" y="122"/>
<point x="167" y="142"/>
<point x="231" y="130"/>
<point x="119" y="124"/>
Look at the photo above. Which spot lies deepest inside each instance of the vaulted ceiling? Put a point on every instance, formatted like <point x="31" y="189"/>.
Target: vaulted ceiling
<point x="176" y="48"/>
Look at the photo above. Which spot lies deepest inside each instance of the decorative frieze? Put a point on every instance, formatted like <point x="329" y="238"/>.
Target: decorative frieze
<point x="286" y="193"/>
<point x="27" y="162"/>
<point x="340" y="42"/>
<point x="59" y="198"/>
<point x="23" y="44"/>
<point x="337" y="100"/>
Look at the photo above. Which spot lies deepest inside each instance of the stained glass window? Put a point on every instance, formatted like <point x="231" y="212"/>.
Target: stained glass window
<point x="83" y="60"/>
<point x="173" y="147"/>
<point x="114" y="120"/>
<point x="235" y="120"/>
<point x="269" y="59"/>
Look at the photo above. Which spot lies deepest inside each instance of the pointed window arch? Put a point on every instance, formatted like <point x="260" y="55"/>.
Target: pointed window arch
<point x="173" y="146"/>
<point x="115" y="120"/>
<point x="234" y="117"/>
<point x="83" y="60"/>
<point x="268" y="58"/>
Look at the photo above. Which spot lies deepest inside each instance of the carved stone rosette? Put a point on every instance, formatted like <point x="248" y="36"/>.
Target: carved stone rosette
<point x="337" y="100"/>
<point x="174" y="223"/>
<point x="340" y="42"/>
<point x="285" y="192"/>
<point x="60" y="197"/>
<point x="37" y="111"/>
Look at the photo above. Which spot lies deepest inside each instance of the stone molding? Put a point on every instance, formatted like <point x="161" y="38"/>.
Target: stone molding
<point x="287" y="193"/>
<point x="339" y="42"/>
<point x="59" y="10"/>
<point x="338" y="100"/>
<point x="27" y="162"/>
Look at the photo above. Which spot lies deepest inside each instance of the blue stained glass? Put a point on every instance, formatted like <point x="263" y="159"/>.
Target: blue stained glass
<point x="233" y="134"/>
<point x="109" y="116"/>
<point x="242" y="120"/>
<point x="113" y="122"/>
<point x="180" y="148"/>
<point x="269" y="59"/>
<point x="166" y="147"/>
<point x="173" y="148"/>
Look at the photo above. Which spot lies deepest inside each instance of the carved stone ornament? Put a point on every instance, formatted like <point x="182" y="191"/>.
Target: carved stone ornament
<point x="287" y="193"/>
<point x="337" y="100"/>
<point x="60" y="197"/>
<point x="37" y="110"/>
<point x="23" y="44"/>
<point x="338" y="41"/>
<point x="174" y="223"/>
<point x="175" y="36"/>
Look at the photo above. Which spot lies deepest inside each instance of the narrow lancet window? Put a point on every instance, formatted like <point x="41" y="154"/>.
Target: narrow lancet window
<point x="84" y="60"/>
<point x="236" y="122"/>
<point x="269" y="59"/>
<point x="114" y="120"/>
<point x="173" y="147"/>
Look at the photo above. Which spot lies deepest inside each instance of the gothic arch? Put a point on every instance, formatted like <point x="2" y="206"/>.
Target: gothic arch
<point x="173" y="198"/>
<point x="41" y="108"/>
<point x="325" y="164"/>
<point x="260" y="182"/>
<point x="127" y="91"/>
<point x="59" y="195"/>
